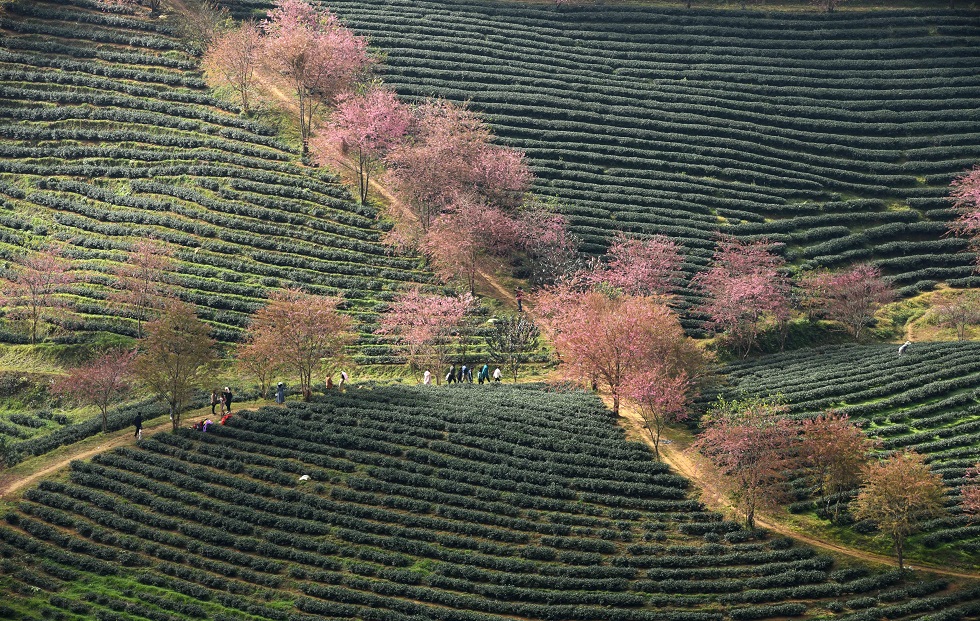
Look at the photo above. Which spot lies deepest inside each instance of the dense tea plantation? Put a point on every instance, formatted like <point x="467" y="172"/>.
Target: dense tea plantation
<point x="109" y="134"/>
<point x="836" y="135"/>
<point x="926" y="400"/>
<point x="422" y="503"/>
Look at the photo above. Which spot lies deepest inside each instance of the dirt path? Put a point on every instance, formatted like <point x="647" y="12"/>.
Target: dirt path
<point x="47" y="465"/>
<point x="10" y="483"/>
<point x="682" y="463"/>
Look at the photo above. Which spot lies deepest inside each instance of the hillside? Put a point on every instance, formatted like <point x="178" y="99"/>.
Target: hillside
<point x="926" y="400"/>
<point x="836" y="135"/>
<point x="471" y="504"/>
<point x="108" y="134"/>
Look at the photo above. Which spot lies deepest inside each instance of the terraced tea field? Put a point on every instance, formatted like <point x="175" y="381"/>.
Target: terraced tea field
<point x="927" y="400"/>
<point x="467" y="504"/>
<point x="836" y="135"/>
<point x="108" y="134"/>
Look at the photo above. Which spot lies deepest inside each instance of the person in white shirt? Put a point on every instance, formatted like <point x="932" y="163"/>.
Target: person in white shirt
<point x="497" y="374"/>
<point x="427" y="378"/>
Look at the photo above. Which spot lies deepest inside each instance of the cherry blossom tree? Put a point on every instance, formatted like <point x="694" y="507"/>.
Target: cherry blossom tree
<point x="611" y="338"/>
<point x="899" y="494"/>
<point x="850" y="297"/>
<point x="970" y="493"/>
<point x="754" y="446"/>
<point x="959" y="313"/>
<point x="308" y="48"/>
<point x="102" y="382"/>
<point x="428" y="327"/>
<point x="302" y="332"/>
<point x="459" y="243"/>
<point x="174" y="355"/>
<point x="965" y="194"/>
<point x="551" y="250"/>
<point x="31" y="288"/>
<point x="450" y="162"/>
<point x="231" y="60"/>
<point x="660" y="396"/>
<point x="641" y="266"/>
<point x="364" y="126"/>
<point x="143" y="280"/>
<point x="744" y="288"/>
<point x="835" y="451"/>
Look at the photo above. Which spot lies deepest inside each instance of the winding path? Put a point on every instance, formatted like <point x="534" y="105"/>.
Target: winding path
<point x="47" y="465"/>
<point x="682" y="463"/>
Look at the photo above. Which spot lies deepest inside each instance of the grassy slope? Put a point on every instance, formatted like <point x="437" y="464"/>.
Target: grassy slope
<point x="836" y="135"/>
<point x="473" y="504"/>
<point x="926" y="400"/>
<point x="108" y="134"/>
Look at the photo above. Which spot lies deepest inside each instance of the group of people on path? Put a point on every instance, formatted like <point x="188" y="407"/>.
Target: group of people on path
<point x="465" y="374"/>
<point x="223" y="398"/>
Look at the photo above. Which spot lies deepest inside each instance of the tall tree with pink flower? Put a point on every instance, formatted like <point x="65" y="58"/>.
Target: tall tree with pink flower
<point x="661" y="397"/>
<point x="850" y="296"/>
<point x="31" y="286"/>
<point x="450" y="163"/>
<point x="744" y="288"/>
<point x="314" y="55"/>
<point x="641" y="266"/>
<point x="754" y="446"/>
<point x="965" y="194"/>
<point x="102" y="382"/>
<point x="427" y="327"/>
<point x="363" y="127"/>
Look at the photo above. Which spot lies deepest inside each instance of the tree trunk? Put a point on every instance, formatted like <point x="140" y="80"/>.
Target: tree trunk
<point x="900" y="551"/>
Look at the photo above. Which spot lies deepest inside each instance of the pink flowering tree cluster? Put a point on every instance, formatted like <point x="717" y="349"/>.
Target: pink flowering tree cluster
<point x="607" y="339"/>
<point x="307" y="48"/>
<point x="744" y="288"/>
<point x="428" y="327"/>
<point x="31" y="286"/>
<point x="850" y="296"/>
<point x="102" y="382"/>
<point x="640" y="266"/>
<point x="450" y="163"/>
<point x="363" y="128"/>
<point x="460" y="189"/>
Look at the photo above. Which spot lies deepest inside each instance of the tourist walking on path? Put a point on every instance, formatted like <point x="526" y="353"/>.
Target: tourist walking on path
<point x="138" y="423"/>
<point x="451" y="376"/>
<point x="497" y="375"/>
<point x="215" y="401"/>
<point x="343" y="379"/>
<point x="227" y="400"/>
<point x="280" y="393"/>
<point x="484" y="374"/>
